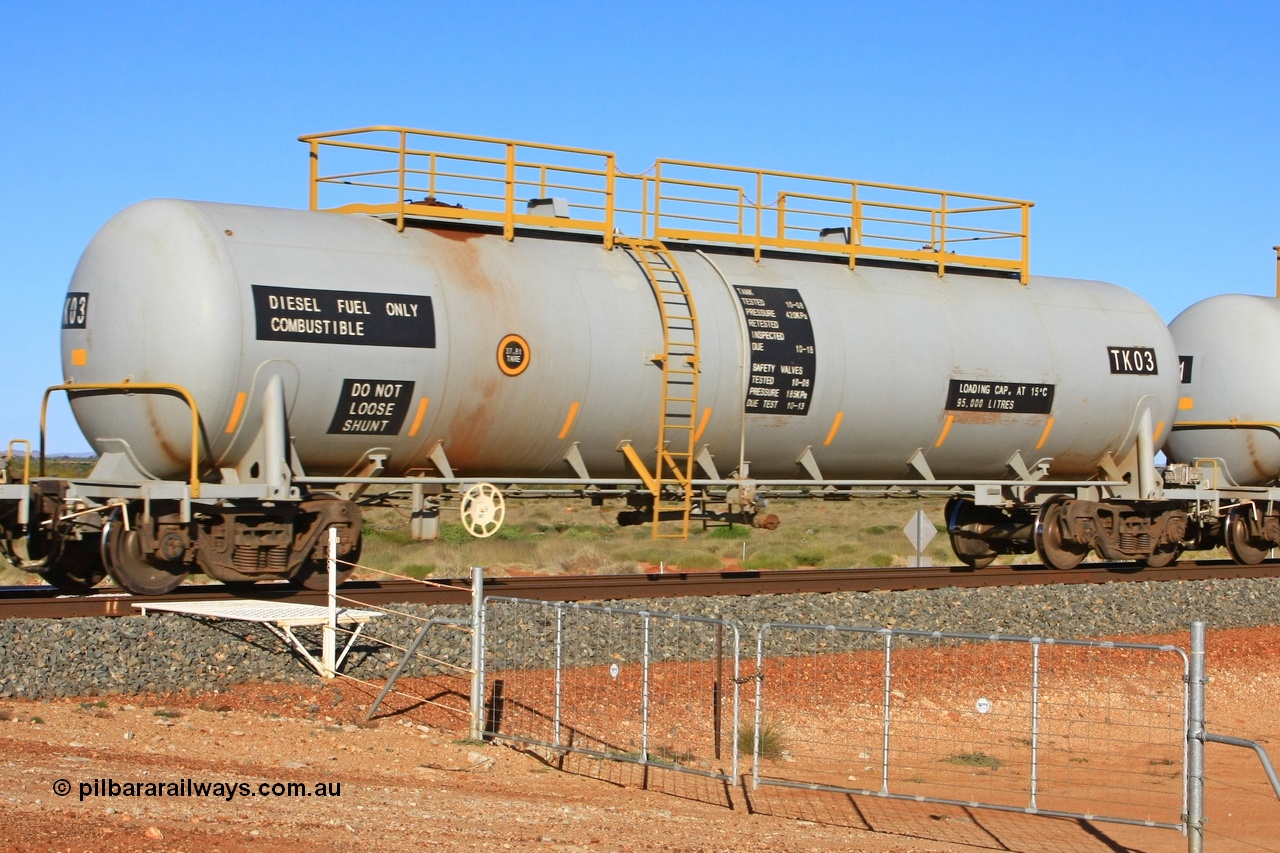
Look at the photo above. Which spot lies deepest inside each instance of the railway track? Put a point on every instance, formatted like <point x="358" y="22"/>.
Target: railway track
<point x="48" y="603"/>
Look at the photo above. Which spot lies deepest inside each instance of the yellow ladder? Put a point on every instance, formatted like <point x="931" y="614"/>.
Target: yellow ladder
<point x="673" y="469"/>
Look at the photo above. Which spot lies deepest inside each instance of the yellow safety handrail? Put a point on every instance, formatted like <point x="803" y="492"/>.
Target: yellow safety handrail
<point x="26" y="458"/>
<point x="682" y="199"/>
<point x="129" y="388"/>
<point x="933" y="232"/>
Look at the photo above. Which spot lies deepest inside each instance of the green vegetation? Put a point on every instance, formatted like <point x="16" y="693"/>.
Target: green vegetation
<point x="772" y="744"/>
<point x="769" y="560"/>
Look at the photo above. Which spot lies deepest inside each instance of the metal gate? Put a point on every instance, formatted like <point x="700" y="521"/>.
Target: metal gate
<point x="656" y="689"/>
<point x="1068" y="728"/>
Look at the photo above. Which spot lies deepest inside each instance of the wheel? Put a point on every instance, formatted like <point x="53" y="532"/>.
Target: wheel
<point x="964" y="531"/>
<point x="1163" y="556"/>
<point x="314" y="574"/>
<point x="970" y="560"/>
<point x="482" y="510"/>
<point x="1054" y="551"/>
<point x="78" y="566"/>
<point x="122" y="556"/>
<point x="1244" y="549"/>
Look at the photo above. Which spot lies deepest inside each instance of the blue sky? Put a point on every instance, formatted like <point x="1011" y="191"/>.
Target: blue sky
<point x="1146" y="133"/>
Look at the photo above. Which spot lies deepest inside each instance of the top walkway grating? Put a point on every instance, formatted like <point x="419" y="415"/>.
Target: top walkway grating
<point x="408" y="174"/>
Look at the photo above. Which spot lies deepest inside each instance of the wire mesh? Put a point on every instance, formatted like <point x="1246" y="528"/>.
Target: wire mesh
<point x="627" y="685"/>
<point x="1072" y="728"/>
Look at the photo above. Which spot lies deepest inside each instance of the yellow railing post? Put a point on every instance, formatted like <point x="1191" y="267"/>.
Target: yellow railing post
<point x="400" y="206"/>
<point x="940" y="245"/>
<point x="431" y="174"/>
<point x="509" y="225"/>
<point x="1026" y="243"/>
<point x="657" y="201"/>
<point x="855" y="225"/>
<point x="644" y="206"/>
<point x="782" y="216"/>
<point x="315" y="175"/>
<point x="610" y="177"/>
<point x="759" y="212"/>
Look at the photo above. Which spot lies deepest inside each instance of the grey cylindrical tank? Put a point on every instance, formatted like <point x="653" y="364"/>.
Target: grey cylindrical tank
<point x="509" y="353"/>
<point x="1229" y="406"/>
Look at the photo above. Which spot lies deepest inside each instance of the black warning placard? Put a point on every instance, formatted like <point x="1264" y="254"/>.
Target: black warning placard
<point x="344" y="317"/>
<point x="967" y="395"/>
<point x="1136" y="361"/>
<point x="783" y="357"/>
<point x="371" y="407"/>
<point x="75" y="310"/>
<point x="1185" y="363"/>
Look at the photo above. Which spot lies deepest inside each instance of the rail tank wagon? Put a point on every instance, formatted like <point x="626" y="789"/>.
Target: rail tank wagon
<point x="390" y="342"/>
<point x="1228" y="424"/>
<point x="442" y="345"/>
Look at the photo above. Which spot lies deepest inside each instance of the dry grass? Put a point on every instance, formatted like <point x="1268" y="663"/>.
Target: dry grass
<point x="561" y="536"/>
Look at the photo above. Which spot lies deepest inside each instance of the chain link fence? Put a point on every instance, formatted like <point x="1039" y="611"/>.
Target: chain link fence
<point x="1089" y="730"/>
<point x="656" y="689"/>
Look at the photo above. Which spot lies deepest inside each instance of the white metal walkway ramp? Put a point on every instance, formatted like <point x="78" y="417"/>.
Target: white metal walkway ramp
<point x="281" y="618"/>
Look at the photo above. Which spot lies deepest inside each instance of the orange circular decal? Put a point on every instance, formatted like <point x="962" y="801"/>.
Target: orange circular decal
<point x="513" y="355"/>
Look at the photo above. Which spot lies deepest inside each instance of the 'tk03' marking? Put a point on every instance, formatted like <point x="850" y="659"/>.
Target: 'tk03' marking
<point x="1138" y="361"/>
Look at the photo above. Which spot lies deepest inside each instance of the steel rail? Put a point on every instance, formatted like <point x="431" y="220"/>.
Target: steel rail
<point x="44" y="602"/>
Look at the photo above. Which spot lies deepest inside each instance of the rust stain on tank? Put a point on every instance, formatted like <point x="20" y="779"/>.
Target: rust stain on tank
<point x="979" y="418"/>
<point x="457" y="260"/>
<point x="1255" y="454"/>
<point x="1075" y="464"/>
<point x="179" y="457"/>
<point x="456" y="235"/>
<point x="466" y="435"/>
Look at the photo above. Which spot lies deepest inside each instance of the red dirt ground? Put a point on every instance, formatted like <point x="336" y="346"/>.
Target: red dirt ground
<point x="408" y="781"/>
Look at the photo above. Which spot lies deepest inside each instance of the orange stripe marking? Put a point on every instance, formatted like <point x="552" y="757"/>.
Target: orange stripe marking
<point x="702" y="425"/>
<point x="417" y="419"/>
<point x="946" y="428"/>
<point x="1186" y="404"/>
<point x="835" y="427"/>
<point x="1044" y="436"/>
<point x="1159" y="429"/>
<point x="236" y="412"/>
<point x="568" y="422"/>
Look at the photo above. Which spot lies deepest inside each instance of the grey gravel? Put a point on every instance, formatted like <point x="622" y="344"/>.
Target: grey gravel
<point x="166" y="652"/>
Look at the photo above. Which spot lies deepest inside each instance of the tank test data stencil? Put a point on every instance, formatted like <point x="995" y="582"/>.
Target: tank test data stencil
<point x="783" y="356"/>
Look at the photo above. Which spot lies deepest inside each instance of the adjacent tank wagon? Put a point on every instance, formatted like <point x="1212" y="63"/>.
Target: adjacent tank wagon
<point x="1226" y="439"/>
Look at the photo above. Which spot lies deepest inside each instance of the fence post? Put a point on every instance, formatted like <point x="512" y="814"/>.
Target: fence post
<point x="888" y="704"/>
<point x="477" y="653"/>
<point x="1035" y="721"/>
<point x="644" y="696"/>
<point x="559" y="668"/>
<point x="1195" y="742"/>
<point x="759" y="715"/>
<point x="329" y="633"/>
